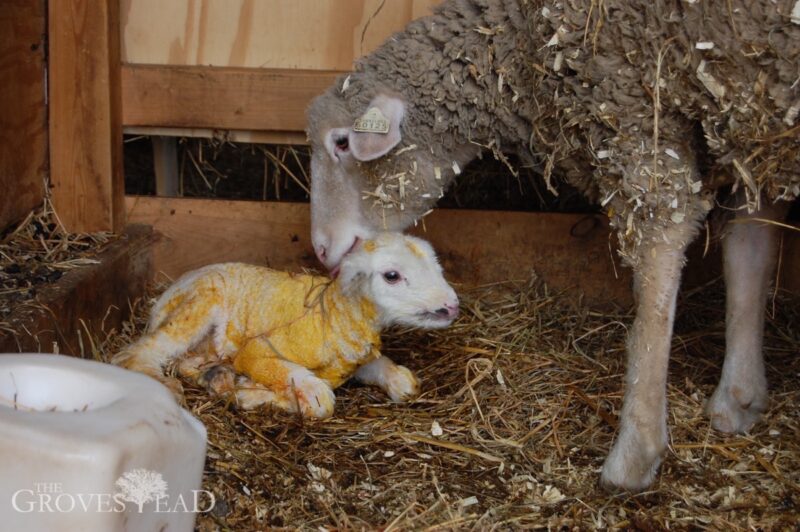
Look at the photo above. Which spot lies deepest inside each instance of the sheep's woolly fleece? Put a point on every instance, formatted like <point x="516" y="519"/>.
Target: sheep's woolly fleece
<point x="647" y="108"/>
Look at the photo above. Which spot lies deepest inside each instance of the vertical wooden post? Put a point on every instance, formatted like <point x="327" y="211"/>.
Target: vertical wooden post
<point x="165" y="161"/>
<point x="86" y="114"/>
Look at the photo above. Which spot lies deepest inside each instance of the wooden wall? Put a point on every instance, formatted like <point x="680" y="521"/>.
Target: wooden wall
<point x="296" y="34"/>
<point x="23" y="116"/>
<point x="250" y="67"/>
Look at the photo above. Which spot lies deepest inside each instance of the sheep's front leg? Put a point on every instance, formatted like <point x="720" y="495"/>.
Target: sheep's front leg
<point x="282" y="383"/>
<point x="397" y="381"/>
<point x="642" y="438"/>
<point x="749" y="254"/>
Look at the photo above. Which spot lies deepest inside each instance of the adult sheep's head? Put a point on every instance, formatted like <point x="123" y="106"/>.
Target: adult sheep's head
<point x="401" y="276"/>
<point x="373" y="168"/>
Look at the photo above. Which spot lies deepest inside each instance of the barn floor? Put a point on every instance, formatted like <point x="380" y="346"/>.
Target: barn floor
<point x="520" y="400"/>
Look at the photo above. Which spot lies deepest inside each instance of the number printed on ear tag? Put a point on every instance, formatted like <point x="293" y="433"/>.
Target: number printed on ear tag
<point x="372" y="121"/>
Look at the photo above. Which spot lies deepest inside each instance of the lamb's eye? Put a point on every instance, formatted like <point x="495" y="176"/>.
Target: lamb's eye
<point x="391" y="277"/>
<point x="342" y="143"/>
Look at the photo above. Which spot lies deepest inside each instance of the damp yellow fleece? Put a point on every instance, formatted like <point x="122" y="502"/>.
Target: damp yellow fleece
<point x="258" y="316"/>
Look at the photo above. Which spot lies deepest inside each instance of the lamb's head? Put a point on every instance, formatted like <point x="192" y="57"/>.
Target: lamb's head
<point x="401" y="276"/>
<point x="370" y="170"/>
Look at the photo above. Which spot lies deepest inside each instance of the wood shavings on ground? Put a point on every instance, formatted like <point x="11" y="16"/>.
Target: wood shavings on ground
<point x="519" y="451"/>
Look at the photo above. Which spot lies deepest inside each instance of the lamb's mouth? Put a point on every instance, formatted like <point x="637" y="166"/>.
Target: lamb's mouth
<point x="433" y="316"/>
<point x="334" y="273"/>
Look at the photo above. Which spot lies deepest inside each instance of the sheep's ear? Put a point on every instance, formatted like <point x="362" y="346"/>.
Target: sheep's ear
<point x="378" y="130"/>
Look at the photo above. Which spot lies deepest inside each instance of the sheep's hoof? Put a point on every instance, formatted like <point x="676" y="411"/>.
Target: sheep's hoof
<point x="402" y="385"/>
<point x="733" y="410"/>
<point x="632" y="464"/>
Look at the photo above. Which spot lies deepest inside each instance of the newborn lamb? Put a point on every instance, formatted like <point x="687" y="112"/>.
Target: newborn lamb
<point x="297" y="337"/>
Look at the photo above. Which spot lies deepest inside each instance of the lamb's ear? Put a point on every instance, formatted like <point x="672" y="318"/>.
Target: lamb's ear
<point x="378" y="130"/>
<point x="354" y="272"/>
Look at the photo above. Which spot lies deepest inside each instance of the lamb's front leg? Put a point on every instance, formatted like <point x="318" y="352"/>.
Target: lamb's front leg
<point x="749" y="253"/>
<point x="642" y="438"/>
<point x="282" y="383"/>
<point x="397" y="381"/>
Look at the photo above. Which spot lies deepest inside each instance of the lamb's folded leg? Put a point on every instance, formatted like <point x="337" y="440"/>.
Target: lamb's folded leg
<point x="750" y="253"/>
<point x="397" y="381"/>
<point x="282" y="383"/>
<point x="642" y="438"/>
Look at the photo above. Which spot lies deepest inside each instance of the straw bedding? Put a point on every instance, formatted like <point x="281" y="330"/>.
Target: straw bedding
<point x="519" y="404"/>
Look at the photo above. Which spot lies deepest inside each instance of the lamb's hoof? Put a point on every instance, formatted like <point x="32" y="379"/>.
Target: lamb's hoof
<point x="250" y="395"/>
<point x="314" y="397"/>
<point x="172" y="383"/>
<point x="733" y="410"/>
<point x="631" y="465"/>
<point x="219" y="380"/>
<point x="402" y="385"/>
<point x="191" y="366"/>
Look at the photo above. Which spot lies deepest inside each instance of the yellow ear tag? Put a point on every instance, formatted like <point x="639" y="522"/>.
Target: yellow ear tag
<point x="372" y="121"/>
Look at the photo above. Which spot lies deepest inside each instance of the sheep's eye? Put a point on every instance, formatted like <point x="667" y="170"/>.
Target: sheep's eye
<point x="342" y="143"/>
<point x="391" y="277"/>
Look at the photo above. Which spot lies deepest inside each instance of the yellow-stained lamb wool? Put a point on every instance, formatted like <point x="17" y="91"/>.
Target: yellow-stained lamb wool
<point x="296" y="337"/>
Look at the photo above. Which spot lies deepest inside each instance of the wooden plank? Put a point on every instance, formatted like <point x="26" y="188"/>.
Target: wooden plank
<point x="222" y="98"/>
<point x="296" y="34"/>
<point x="196" y="232"/>
<point x="85" y="104"/>
<point x="570" y="252"/>
<point x="23" y="112"/>
<point x="85" y="297"/>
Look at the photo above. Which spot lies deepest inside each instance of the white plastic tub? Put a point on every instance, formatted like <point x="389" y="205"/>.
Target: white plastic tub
<point x="86" y="446"/>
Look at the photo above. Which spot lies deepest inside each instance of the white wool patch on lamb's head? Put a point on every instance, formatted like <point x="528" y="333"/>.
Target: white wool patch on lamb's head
<point x="402" y="277"/>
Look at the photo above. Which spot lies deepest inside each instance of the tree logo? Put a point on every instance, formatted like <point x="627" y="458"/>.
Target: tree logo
<point x="141" y="486"/>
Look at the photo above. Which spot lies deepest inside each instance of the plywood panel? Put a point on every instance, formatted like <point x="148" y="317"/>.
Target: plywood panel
<point x="85" y="114"/>
<point x="302" y="34"/>
<point x="226" y="98"/>
<point x="23" y="115"/>
<point x="570" y="252"/>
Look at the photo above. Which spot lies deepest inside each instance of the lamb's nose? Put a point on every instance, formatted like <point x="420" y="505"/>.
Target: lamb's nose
<point x="448" y="311"/>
